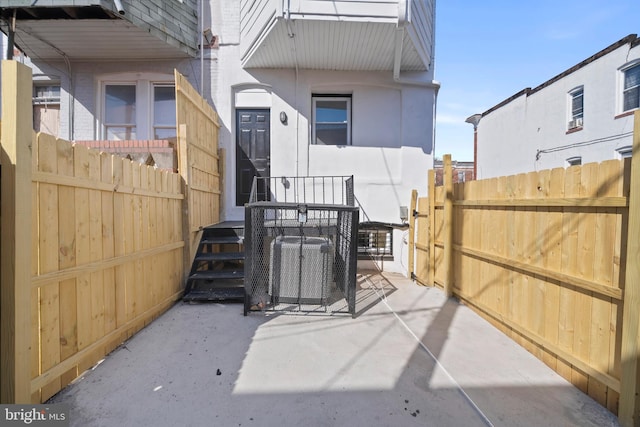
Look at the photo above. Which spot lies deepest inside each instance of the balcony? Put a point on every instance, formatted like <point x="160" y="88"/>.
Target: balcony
<point x="100" y="29"/>
<point x="374" y="35"/>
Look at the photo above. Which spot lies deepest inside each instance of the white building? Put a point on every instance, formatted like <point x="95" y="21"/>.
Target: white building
<point x="322" y="87"/>
<point x="582" y="115"/>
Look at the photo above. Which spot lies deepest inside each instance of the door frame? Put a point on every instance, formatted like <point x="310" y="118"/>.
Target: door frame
<point x="237" y="112"/>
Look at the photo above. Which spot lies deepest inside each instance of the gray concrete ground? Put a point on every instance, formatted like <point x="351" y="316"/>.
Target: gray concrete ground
<point x="410" y="358"/>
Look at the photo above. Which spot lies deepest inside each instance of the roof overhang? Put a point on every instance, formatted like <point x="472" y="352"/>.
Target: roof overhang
<point x="332" y="45"/>
<point x="93" y="33"/>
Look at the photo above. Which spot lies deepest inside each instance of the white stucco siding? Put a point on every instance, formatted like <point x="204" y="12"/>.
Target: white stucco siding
<point x="530" y="132"/>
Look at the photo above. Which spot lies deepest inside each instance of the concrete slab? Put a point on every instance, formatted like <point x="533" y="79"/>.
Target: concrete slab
<point x="410" y="358"/>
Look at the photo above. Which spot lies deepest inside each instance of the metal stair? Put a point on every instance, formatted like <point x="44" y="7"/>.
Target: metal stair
<point x="217" y="273"/>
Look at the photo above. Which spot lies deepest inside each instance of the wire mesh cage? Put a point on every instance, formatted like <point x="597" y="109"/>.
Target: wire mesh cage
<point x="301" y="256"/>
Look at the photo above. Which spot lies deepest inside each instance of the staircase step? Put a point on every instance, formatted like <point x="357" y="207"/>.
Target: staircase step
<point x="218" y="274"/>
<point x="220" y="256"/>
<point x="221" y="240"/>
<point x="215" y="294"/>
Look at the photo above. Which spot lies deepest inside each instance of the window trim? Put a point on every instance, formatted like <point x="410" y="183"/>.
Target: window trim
<point x="133" y="125"/>
<point x="144" y="83"/>
<point x="153" y="125"/>
<point x="621" y="77"/>
<point x="574" y="161"/>
<point x="624" y="152"/>
<point x="332" y="97"/>
<point x="575" y="121"/>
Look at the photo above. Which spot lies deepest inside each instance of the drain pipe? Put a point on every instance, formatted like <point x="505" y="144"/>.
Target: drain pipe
<point x="118" y="5"/>
<point x="292" y="37"/>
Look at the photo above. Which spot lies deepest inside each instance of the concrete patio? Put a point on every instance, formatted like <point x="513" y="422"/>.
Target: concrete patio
<point x="410" y="358"/>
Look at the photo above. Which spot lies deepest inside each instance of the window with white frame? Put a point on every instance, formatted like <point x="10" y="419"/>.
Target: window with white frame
<point x="624" y="152"/>
<point x="631" y="88"/>
<point x="120" y="111"/>
<point x="46" y="107"/>
<point x="576" y="108"/>
<point x="164" y="112"/>
<point x="331" y="120"/>
<point x="574" y="161"/>
<point x="137" y="109"/>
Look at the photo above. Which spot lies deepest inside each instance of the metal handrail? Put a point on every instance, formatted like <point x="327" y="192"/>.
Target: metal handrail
<point x="321" y="190"/>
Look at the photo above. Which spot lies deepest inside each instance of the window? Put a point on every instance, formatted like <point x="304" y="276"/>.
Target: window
<point x="137" y="108"/>
<point x="576" y="108"/>
<point x="120" y="111"/>
<point x="631" y="88"/>
<point x="331" y="122"/>
<point x="46" y="107"/>
<point x="375" y="241"/>
<point x="164" y="112"/>
<point x="624" y="152"/>
<point x="574" y="161"/>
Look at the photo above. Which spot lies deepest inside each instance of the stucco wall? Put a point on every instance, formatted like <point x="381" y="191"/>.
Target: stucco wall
<point x="510" y="137"/>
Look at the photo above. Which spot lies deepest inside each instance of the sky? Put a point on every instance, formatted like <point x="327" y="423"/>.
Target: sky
<point x="487" y="51"/>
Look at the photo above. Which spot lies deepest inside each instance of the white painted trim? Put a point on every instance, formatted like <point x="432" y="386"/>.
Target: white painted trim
<point x="620" y="85"/>
<point x="144" y="83"/>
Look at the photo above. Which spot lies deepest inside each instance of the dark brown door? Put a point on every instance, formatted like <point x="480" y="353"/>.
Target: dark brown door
<point x="253" y="143"/>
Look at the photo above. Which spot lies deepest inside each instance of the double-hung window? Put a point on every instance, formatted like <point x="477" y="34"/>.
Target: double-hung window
<point x="576" y="108"/>
<point x="631" y="88"/>
<point x="164" y="112"/>
<point x="331" y="121"/>
<point x="138" y="109"/>
<point x="120" y="111"/>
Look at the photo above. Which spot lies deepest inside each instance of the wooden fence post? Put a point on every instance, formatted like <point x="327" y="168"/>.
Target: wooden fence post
<point x="15" y="244"/>
<point x="629" y="411"/>
<point x="184" y="170"/>
<point x="432" y="226"/>
<point x="448" y="226"/>
<point x="412" y="233"/>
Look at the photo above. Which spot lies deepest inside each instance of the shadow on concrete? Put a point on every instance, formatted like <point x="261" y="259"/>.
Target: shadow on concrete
<point x="207" y="364"/>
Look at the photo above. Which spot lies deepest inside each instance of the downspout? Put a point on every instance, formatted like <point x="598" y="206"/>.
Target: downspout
<point x="286" y="4"/>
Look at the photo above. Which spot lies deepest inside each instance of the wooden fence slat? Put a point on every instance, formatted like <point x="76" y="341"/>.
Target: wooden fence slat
<point x="605" y="223"/>
<point x="584" y="268"/>
<point x="15" y="298"/>
<point x="108" y="247"/>
<point x="67" y="259"/>
<point x="48" y="261"/>
<point x="629" y="414"/>
<point x="552" y="262"/>
<point x="83" y="252"/>
<point x="448" y="226"/>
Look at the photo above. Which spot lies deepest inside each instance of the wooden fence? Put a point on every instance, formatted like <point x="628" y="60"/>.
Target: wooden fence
<point x="551" y="259"/>
<point x="93" y="248"/>
<point x="198" y="160"/>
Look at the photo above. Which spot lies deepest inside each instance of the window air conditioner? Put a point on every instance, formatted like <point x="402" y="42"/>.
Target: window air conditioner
<point x="575" y="123"/>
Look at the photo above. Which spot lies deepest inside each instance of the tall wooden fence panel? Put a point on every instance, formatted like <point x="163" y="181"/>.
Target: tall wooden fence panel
<point x="99" y="251"/>
<point x="543" y="256"/>
<point x="198" y="159"/>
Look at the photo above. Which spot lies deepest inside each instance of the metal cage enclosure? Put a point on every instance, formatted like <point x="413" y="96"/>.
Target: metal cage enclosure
<point x="301" y="256"/>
